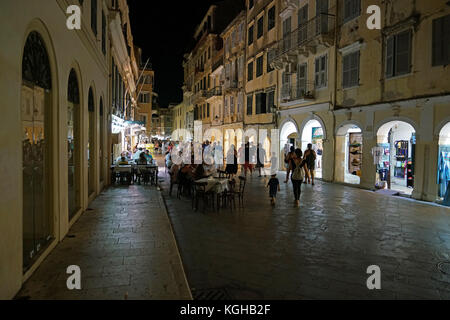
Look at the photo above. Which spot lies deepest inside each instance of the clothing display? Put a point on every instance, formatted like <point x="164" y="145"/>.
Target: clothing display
<point x="378" y="154"/>
<point x="443" y="170"/>
<point x="355" y="153"/>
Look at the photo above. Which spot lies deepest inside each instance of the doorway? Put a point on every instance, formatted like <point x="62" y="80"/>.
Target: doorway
<point x="313" y="134"/>
<point x="443" y="168"/>
<point x="396" y="156"/>
<point x="349" y="150"/>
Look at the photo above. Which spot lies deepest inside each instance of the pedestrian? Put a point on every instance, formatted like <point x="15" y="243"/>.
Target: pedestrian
<point x="260" y="158"/>
<point x="310" y="158"/>
<point x="274" y="186"/>
<point x="287" y="162"/>
<point x="297" y="166"/>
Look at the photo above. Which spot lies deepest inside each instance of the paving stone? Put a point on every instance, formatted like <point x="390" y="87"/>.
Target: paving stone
<point x="319" y="251"/>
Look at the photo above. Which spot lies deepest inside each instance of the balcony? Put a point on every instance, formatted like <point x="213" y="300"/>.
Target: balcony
<point x="298" y="91"/>
<point x="310" y="37"/>
<point x="198" y="95"/>
<point x="231" y="84"/>
<point x="215" y="92"/>
<point x="199" y="70"/>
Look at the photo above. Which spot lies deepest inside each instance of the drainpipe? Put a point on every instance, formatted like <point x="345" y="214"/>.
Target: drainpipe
<point x="336" y="24"/>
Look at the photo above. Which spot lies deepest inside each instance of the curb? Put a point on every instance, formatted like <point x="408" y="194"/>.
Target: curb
<point x="163" y="206"/>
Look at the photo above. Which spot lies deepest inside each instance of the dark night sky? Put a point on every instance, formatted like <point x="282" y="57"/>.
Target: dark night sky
<point x="164" y="30"/>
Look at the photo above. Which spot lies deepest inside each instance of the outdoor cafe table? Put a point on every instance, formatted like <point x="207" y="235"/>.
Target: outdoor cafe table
<point x="215" y="185"/>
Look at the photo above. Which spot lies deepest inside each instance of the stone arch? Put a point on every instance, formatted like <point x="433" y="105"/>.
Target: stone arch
<point x="343" y="127"/>
<point x="391" y="119"/>
<point x="314" y="117"/>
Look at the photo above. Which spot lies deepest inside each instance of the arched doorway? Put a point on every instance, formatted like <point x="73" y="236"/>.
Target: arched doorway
<point x="36" y="100"/>
<point x="443" y="173"/>
<point x="73" y="144"/>
<point x="395" y="156"/>
<point x="313" y="133"/>
<point x="91" y="144"/>
<point x="349" y="150"/>
<point x="288" y="134"/>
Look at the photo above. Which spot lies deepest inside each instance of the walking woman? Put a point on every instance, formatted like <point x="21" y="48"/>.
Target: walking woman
<point x="297" y="166"/>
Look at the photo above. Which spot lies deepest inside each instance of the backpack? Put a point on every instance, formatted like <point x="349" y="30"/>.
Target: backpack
<point x="298" y="173"/>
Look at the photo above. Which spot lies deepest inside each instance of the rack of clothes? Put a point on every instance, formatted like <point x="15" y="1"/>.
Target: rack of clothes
<point x="443" y="171"/>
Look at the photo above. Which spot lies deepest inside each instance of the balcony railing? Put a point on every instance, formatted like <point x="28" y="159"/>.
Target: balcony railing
<point x="217" y="91"/>
<point x="321" y="25"/>
<point x="199" y="94"/>
<point x="231" y="84"/>
<point x="297" y="90"/>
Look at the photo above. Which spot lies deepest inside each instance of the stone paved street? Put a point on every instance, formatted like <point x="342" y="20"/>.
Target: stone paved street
<point x="124" y="247"/>
<point x="319" y="251"/>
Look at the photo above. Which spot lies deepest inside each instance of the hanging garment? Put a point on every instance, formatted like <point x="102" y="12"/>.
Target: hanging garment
<point x="377" y="153"/>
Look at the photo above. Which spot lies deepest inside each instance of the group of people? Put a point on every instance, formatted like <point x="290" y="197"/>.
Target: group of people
<point x="299" y="167"/>
<point x="140" y="156"/>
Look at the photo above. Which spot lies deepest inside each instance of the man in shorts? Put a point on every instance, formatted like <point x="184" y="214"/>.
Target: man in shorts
<point x="310" y="158"/>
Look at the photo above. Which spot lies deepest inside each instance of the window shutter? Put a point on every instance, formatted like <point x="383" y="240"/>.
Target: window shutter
<point x="346" y="71"/>
<point x="403" y="53"/>
<point x="390" y="57"/>
<point x="263" y="103"/>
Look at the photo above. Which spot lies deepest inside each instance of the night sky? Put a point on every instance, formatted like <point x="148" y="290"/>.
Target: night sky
<point x="164" y="30"/>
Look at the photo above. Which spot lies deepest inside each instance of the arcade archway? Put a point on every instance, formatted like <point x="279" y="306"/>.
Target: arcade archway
<point x="395" y="156"/>
<point x="349" y="149"/>
<point x="443" y="168"/>
<point x="313" y="133"/>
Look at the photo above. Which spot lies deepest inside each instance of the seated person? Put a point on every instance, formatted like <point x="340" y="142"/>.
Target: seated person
<point x="199" y="172"/>
<point x="142" y="159"/>
<point x="148" y="156"/>
<point x="123" y="162"/>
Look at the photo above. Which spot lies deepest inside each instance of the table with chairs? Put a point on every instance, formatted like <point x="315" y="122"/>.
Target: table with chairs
<point x="135" y="173"/>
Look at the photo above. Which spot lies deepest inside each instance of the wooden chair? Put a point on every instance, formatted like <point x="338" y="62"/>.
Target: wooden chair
<point x="200" y="192"/>
<point x="240" y="191"/>
<point x="229" y="196"/>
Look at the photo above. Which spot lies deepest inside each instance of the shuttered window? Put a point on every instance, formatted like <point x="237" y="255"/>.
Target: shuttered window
<point x="398" y="54"/>
<point x="94" y="16"/>
<point x="271" y="19"/>
<point x="441" y="41"/>
<point x="249" y="105"/>
<point x="260" y="30"/>
<point x="250" y="35"/>
<point x="352" y="9"/>
<point x="259" y="66"/>
<point x="250" y="71"/>
<point x="350" y="70"/>
<point x="321" y="72"/>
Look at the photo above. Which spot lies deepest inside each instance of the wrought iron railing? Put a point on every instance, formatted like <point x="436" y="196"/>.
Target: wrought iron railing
<point x="216" y="91"/>
<point x="297" y="90"/>
<point x="323" y="24"/>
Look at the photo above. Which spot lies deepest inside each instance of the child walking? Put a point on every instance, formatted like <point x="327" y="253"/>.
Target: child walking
<point x="274" y="187"/>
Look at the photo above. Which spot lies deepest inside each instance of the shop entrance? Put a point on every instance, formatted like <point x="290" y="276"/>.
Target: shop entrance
<point x="443" y="173"/>
<point x="287" y="139"/>
<point x="395" y="156"/>
<point x="313" y="133"/>
<point x="349" y="148"/>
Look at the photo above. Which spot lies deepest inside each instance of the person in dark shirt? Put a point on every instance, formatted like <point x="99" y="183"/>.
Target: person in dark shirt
<point x="274" y="187"/>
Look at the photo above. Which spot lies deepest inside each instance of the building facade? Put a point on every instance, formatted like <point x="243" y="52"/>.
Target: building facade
<point x="261" y="86"/>
<point x="57" y="127"/>
<point x="354" y="92"/>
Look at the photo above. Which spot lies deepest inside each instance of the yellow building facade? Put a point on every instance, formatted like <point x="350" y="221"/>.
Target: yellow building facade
<point x="56" y="122"/>
<point x="377" y="92"/>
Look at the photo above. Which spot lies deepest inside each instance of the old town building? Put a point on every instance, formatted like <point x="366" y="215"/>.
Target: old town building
<point x="57" y="126"/>
<point x="354" y="92"/>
